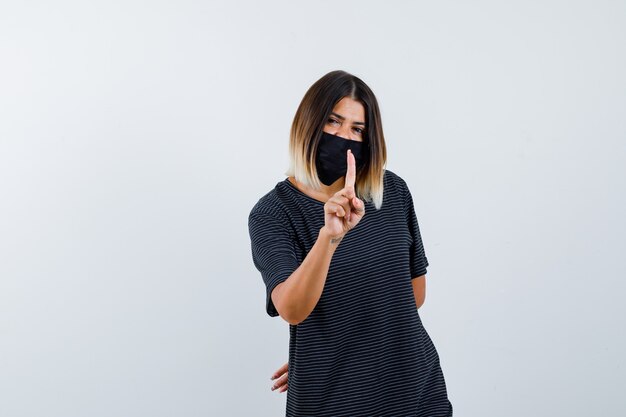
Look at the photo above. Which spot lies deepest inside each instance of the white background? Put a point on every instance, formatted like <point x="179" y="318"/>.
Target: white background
<point x="135" y="137"/>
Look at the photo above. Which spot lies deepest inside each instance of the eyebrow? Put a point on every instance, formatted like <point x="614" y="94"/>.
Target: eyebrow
<point x="343" y="118"/>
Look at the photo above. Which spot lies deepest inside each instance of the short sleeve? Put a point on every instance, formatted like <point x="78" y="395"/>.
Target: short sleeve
<point x="419" y="261"/>
<point x="273" y="252"/>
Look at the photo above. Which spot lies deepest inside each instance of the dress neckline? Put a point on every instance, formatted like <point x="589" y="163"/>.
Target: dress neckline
<point x="298" y="191"/>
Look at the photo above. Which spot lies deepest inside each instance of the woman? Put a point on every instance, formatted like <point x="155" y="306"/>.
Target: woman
<point x="338" y="246"/>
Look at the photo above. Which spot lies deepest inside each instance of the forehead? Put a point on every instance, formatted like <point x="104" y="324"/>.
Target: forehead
<point x="350" y="109"/>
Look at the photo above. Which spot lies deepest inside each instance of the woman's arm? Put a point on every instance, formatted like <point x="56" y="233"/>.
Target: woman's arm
<point x="419" y="290"/>
<point x="297" y="296"/>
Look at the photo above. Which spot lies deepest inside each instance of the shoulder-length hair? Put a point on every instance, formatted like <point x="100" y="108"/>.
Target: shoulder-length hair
<point x="307" y="127"/>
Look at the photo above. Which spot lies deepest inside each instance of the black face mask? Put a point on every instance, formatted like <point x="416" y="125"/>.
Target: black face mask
<point x="331" y="159"/>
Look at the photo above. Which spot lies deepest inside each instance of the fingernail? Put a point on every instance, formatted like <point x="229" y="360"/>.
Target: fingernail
<point x="273" y="377"/>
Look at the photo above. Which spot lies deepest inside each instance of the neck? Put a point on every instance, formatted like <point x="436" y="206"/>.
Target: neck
<point x="330" y="190"/>
<point x="324" y="193"/>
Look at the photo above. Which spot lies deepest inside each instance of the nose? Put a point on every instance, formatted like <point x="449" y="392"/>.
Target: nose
<point x="344" y="131"/>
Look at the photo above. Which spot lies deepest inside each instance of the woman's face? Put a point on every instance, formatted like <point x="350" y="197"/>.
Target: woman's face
<point x="347" y="120"/>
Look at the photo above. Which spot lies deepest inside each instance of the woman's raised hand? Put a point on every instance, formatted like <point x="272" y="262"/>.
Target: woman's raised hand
<point x="281" y="374"/>
<point x="343" y="211"/>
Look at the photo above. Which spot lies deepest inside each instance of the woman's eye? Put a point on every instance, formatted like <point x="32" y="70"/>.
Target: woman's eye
<point x="332" y="121"/>
<point x="358" y="130"/>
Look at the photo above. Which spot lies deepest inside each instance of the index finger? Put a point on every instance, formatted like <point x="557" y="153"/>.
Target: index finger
<point x="351" y="173"/>
<point x="280" y="371"/>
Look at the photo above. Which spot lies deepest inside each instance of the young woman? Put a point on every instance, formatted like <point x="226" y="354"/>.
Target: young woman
<point x="339" y="249"/>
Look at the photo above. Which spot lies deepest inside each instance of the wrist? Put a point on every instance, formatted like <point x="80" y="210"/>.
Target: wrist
<point x="330" y="238"/>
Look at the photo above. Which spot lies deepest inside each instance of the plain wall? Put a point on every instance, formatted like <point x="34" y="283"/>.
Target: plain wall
<point x="135" y="137"/>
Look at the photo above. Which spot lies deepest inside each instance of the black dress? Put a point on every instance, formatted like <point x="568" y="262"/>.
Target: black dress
<point x="363" y="350"/>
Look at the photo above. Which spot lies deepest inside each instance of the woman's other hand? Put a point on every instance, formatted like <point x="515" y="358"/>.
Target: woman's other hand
<point x="281" y="373"/>
<point x="343" y="211"/>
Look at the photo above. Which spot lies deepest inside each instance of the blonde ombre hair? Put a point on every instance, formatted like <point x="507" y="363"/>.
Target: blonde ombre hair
<point x="307" y="128"/>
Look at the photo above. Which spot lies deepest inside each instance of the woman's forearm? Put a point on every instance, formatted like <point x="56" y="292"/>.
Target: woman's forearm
<point x="298" y="295"/>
